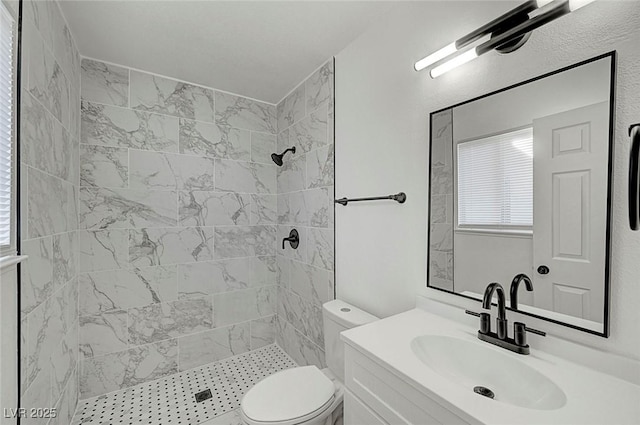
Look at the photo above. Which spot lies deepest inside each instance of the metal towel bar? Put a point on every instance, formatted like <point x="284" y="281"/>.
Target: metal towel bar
<point x="634" y="180"/>
<point x="398" y="197"/>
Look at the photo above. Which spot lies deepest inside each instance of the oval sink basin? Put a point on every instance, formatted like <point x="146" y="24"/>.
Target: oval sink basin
<point x="473" y="365"/>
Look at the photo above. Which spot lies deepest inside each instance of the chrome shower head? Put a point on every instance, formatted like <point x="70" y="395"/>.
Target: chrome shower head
<point x="277" y="158"/>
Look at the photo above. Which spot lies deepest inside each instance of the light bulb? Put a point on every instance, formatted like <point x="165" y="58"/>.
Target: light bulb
<point x="465" y="57"/>
<point x="435" y="57"/>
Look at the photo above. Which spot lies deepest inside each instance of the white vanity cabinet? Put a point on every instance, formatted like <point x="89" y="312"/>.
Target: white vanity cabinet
<point x="376" y="396"/>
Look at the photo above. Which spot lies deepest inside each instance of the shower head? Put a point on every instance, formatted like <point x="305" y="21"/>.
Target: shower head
<point x="277" y="158"/>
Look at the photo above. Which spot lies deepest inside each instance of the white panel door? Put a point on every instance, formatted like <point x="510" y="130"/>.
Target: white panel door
<point x="570" y="164"/>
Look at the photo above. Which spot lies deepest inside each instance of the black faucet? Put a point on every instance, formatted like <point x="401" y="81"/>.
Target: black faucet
<point x="513" y="291"/>
<point x="501" y="321"/>
<point x="518" y="343"/>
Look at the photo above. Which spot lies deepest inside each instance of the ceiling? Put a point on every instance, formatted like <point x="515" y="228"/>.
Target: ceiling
<point x="258" y="49"/>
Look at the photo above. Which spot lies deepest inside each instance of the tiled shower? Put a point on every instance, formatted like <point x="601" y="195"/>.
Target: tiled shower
<point x="153" y="218"/>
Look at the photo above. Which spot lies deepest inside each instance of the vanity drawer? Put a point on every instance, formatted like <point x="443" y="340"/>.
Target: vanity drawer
<point x="395" y="401"/>
<point x="357" y="413"/>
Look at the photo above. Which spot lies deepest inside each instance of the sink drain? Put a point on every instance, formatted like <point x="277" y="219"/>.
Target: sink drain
<point x="484" y="391"/>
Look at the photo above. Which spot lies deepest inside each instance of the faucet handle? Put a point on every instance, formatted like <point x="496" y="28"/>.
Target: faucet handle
<point x="485" y="321"/>
<point x="520" y="333"/>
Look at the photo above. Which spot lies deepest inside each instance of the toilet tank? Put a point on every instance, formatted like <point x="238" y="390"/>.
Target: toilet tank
<point x="339" y="316"/>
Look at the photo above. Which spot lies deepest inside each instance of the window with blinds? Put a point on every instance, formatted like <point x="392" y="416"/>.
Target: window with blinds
<point x="6" y="128"/>
<point x="495" y="182"/>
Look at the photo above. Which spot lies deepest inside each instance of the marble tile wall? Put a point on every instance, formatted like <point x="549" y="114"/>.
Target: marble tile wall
<point x="50" y="127"/>
<point x="305" y="202"/>
<point x="441" y="215"/>
<point x="177" y="215"/>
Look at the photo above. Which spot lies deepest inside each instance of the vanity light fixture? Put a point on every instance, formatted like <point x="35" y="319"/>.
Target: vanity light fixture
<point x="507" y="33"/>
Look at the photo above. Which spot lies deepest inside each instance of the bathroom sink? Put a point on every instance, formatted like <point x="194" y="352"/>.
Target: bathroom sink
<point x="488" y="372"/>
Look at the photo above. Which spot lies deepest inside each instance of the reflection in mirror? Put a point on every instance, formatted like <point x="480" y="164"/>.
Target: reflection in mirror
<point x="520" y="184"/>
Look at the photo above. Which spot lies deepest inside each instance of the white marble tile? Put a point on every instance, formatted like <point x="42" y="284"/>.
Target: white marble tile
<point x="104" y="166"/>
<point x="47" y="82"/>
<point x="119" y="208"/>
<point x="244" y="177"/>
<point x="64" y="49"/>
<point x="240" y="306"/>
<point x="263" y="209"/>
<point x="320" y="248"/>
<point x="319" y="87"/>
<point x="169" y="245"/>
<point x="166" y="171"/>
<point x="292" y="108"/>
<point x="214" y="345"/>
<point x="438" y="213"/>
<point x="127" y="368"/>
<point x="300" y="348"/>
<point x="37" y="395"/>
<point x="66" y="406"/>
<point x="112" y="126"/>
<point x="38" y="133"/>
<point x="114" y="290"/>
<point x="311" y="132"/>
<point x="65" y="246"/>
<point x="102" y="83"/>
<point x="442" y="138"/>
<point x="47" y="204"/>
<point x="157" y="94"/>
<point x="37" y="273"/>
<point x="441" y="265"/>
<point x="318" y="206"/>
<point x="262" y="146"/>
<point x="63" y="362"/>
<point x="244" y="241"/>
<point x="72" y="207"/>
<point x="103" y="334"/>
<point x="158" y="322"/>
<point x="198" y="208"/>
<point x="263" y="332"/>
<point x="320" y="167"/>
<point x="441" y="237"/>
<point x="45" y="330"/>
<point x="213" y="140"/>
<point x="240" y="112"/>
<point x="282" y="270"/>
<point x="441" y="180"/>
<point x="305" y="316"/>
<point x="309" y="282"/>
<point x="291" y="176"/>
<point x="103" y="250"/>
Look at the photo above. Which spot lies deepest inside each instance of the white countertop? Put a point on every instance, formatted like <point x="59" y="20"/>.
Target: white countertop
<point x="592" y="397"/>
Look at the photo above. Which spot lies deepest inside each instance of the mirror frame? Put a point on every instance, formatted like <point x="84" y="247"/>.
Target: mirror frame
<point x="607" y="272"/>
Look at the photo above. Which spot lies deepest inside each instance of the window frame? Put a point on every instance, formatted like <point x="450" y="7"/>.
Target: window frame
<point x="478" y="229"/>
<point x="12" y="248"/>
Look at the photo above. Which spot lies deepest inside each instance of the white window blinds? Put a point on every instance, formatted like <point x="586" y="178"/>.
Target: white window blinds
<point x="495" y="181"/>
<point x="6" y="126"/>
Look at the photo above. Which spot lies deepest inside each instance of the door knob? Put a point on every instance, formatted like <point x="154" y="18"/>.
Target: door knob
<point x="543" y="269"/>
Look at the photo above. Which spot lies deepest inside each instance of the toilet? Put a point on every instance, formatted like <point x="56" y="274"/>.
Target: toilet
<point x="307" y="395"/>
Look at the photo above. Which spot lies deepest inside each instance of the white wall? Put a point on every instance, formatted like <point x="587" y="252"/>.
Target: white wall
<point x="382" y="108"/>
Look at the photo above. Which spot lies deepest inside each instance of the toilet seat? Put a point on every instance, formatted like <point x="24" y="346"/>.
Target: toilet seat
<point x="292" y="396"/>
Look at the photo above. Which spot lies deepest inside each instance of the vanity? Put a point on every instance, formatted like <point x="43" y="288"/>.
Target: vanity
<point x="421" y="368"/>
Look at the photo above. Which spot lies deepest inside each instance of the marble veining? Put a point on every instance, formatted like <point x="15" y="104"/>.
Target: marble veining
<point x="103" y="250"/>
<point x="165" y="171"/>
<point x="128" y="368"/>
<point x="120" y="127"/>
<point x="240" y="112"/>
<point x="244" y="177"/>
<point x="158" y="94"/>
<point x="292" y="108"/>
<point x="319" y="87"/>
<point x="214" y="140"/>
<point x="263" y="209"/>
<point x="262" y="146"/>
<point x="298" y="346"/>
<point x="64" y="257"/>
<point x="291" y="176"/>
<point x="102" y="208"/>
<point x="302" y="314"/>
<point x="47" y="203"/>
<point x="263" y="332"/>
<point x="244" y="241"/>
<point x="198" y="208"/>
<point x="63" y="362"/>
<point x="45" y="330"/>
<point x="311" y="132"/>
<point x="320" y="170"/>
<point x="309" y="282"/>
<point x="104" y="166"/>
<point x="108" y="84"/>
<point x="320" y="251"/>
<point x="214" y="345"/>
<point x="157" y="322"/>
<point x="240" y="306"/>
<point x="122" y="289"/>
<point x="169" y="245"/>
<point x="37" y="279"/>
<point x="103" y="334"/>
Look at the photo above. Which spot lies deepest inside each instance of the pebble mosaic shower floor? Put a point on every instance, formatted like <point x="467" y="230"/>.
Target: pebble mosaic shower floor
<point x="171" y="400"/>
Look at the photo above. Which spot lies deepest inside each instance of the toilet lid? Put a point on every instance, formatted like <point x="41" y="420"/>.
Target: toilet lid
<point x="287" y="395"/>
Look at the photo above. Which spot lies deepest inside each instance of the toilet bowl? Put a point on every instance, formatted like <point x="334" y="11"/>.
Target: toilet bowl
<point x="307" y="395"/>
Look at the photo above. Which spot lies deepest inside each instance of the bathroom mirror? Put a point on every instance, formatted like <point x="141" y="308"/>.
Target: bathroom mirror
<point x="520" y="182"/>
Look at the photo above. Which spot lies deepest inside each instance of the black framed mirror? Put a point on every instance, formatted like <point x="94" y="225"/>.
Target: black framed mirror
<point x="521" y="183"/>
